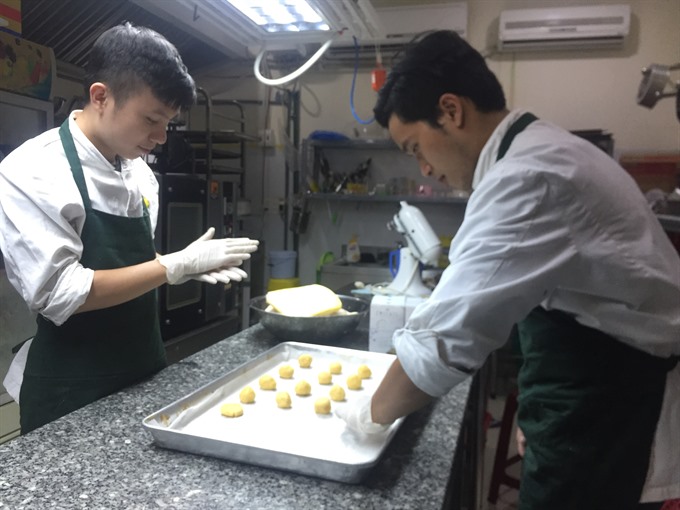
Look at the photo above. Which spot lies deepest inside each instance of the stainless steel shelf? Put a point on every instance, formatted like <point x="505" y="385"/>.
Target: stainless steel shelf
<point x="415" y="199"/>
<point x="669" y="222"/>
<point x="358" y="143"/>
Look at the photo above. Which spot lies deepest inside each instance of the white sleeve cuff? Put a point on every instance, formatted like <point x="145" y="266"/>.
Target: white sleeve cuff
<point x="69" y="294"/>
<point x="418" y="354"/>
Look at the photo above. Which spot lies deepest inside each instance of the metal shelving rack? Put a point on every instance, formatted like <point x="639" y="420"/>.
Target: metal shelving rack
<point x="204" y="160"/>
<point x="309" y="168"/>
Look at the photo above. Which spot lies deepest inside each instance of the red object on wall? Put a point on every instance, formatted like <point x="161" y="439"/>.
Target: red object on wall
<point x="378" y="76"/>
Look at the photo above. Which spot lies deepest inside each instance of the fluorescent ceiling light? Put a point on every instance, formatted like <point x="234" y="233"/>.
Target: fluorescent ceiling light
<point x="275" y="16"/>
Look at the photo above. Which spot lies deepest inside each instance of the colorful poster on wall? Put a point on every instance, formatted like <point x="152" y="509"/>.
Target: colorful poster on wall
<point x="10" y="16"/>
<point x="25" y="67"/>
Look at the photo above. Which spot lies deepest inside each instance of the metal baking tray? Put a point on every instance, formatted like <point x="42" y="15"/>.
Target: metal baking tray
<point x="295" y="439"/>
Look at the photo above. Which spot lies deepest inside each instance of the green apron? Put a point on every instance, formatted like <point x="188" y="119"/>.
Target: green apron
<point x="96" y="353"/>
<point x="588" y="407"/>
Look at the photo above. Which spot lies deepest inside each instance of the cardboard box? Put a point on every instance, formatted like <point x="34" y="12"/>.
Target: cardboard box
<point x="661" y="171"/>
<point x="388" y="313"/>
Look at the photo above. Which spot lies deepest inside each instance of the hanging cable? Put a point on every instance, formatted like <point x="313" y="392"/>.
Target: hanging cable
<point x="295" y="74"/>
<point x="354" y="81"/>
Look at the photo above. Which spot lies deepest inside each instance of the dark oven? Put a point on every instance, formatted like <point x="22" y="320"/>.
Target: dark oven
<point x="189" y="205"/>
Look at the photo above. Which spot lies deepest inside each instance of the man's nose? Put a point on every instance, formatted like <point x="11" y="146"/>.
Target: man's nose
<point x="159" y="136"/>
<point x="425" y="169"/>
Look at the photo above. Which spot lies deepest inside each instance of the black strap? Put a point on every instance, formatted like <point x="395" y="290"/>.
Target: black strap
<point x="516" y="128"/>
<point x="74" y="162"/>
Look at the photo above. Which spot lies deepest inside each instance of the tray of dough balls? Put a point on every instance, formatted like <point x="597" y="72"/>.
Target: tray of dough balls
<point x="278" y="411"/>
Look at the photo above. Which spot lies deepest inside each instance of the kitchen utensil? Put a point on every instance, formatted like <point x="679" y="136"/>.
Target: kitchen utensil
<point x="318" y="330"/>
<point x="295" y="439"/>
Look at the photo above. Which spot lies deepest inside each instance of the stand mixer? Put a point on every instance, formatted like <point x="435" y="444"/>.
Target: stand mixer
<point x="392" y="305"/>
<point x="422" y="245"/>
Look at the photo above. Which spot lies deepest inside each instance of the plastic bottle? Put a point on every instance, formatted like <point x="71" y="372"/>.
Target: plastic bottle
<point x="353" y="251"/>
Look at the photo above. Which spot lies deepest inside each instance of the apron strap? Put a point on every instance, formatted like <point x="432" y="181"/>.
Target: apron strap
<point x="74" y="162"/>
<point x="516" y="128"/>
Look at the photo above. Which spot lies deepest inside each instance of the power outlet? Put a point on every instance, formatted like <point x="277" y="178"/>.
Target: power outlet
<point x="266" y="137"/>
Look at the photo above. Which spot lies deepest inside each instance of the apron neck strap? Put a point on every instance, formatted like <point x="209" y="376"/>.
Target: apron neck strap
<point x="516" y="128"/>
<point x="74" y="162"/>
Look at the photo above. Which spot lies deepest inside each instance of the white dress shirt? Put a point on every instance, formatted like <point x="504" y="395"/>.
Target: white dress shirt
<point x="560" y="223"/>
<point x="556" y="222"/>
<point x="42" y="216"/>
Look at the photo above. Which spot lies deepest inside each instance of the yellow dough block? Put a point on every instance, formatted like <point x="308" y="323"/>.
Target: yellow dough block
<point x="305" y="360"/>
<point x="364" y="372"/>
<point x="286" y="372"/>
<point x="303" y="388"/>
<point x="322" y="406"/>
<point x="336" y="367"/>
<point x="283" y="400"/>
<point x="231" y="410"/>
<point x="325" y="378"/>
<point x="337" y="393"/>
<point x="354" y="382"/>
<point x="306" y="301"/>
<point x="247" y="395"/>
<point x="267" y="382"/>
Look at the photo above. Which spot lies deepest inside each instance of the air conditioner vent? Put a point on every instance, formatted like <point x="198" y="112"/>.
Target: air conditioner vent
<point x="592" y="26"/>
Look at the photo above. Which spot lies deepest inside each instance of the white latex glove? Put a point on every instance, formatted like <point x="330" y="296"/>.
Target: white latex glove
<point x="357" y="415"/>
<point x="231" y="274"/>
<point x="207" y="256"/>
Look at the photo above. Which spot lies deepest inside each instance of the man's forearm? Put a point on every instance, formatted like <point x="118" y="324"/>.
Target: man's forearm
<point x="396" y="396"/>
<point x="111" y="287"/>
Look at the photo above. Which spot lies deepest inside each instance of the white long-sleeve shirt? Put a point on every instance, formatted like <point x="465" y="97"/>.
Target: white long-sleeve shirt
<point x="555" y="222"/>
<point x="42" y="216"/>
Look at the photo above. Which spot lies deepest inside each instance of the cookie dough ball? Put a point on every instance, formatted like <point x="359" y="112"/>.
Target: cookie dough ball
<point x="247" y="395"/>
<point x="336" y="368"/>
<point x="267" y="382"/>
<point x="322" y="406"/>
<point x="286" y="372"/>
<point x="337" y="393"/>
<point x="325" y="378"/>
<point x="364" y="372"/>
<point x="302" y="389"/>
<point x="283" y="400"/>
<point x="231" y="410"/>
<point x="305" y="361"/>
<point x="354" y="382"/>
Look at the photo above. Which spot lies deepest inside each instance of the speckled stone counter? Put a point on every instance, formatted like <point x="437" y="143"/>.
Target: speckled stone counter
<point x="101" y="457"/>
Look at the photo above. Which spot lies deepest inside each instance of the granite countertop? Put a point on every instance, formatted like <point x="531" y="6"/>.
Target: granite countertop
<point x="101" y="457"/>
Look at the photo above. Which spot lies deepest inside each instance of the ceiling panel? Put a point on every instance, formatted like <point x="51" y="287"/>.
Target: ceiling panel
<point x="70" y="27"/>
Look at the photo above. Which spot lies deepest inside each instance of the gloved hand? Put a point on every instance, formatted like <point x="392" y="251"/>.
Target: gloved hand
<point x="231" y="274"/>
<point x="208" y="256"/>
<point x="357" y="415"/>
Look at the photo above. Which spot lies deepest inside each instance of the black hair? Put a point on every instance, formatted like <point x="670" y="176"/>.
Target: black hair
<point x="126" y="58"/>
<point x="441" y="62"/>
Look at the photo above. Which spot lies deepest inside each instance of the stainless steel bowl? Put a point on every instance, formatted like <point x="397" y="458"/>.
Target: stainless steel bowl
<point x="317" y="330"/>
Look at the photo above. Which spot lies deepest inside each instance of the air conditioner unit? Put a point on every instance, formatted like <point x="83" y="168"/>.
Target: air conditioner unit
<point x="592" y="26"/>
<point x="400" y="26"/>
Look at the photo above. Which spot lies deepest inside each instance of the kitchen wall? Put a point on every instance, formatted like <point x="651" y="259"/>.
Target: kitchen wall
<point x="586" y="89"/>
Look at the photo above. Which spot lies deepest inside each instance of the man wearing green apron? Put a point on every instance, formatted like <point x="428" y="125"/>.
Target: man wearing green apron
<point x="559" y="240"/>
<point x="78" y="213"/>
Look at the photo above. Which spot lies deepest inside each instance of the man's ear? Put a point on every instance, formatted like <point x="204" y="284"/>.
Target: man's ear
<point x="99" y="96"/>
<point x="451" y="108"/>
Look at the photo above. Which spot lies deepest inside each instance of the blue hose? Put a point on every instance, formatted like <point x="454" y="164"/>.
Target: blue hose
<point x="354" y="80"/>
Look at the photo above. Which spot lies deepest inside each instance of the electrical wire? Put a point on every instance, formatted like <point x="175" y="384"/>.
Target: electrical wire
<point x="295" y="74"/>
<point x="354" y="81"/>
